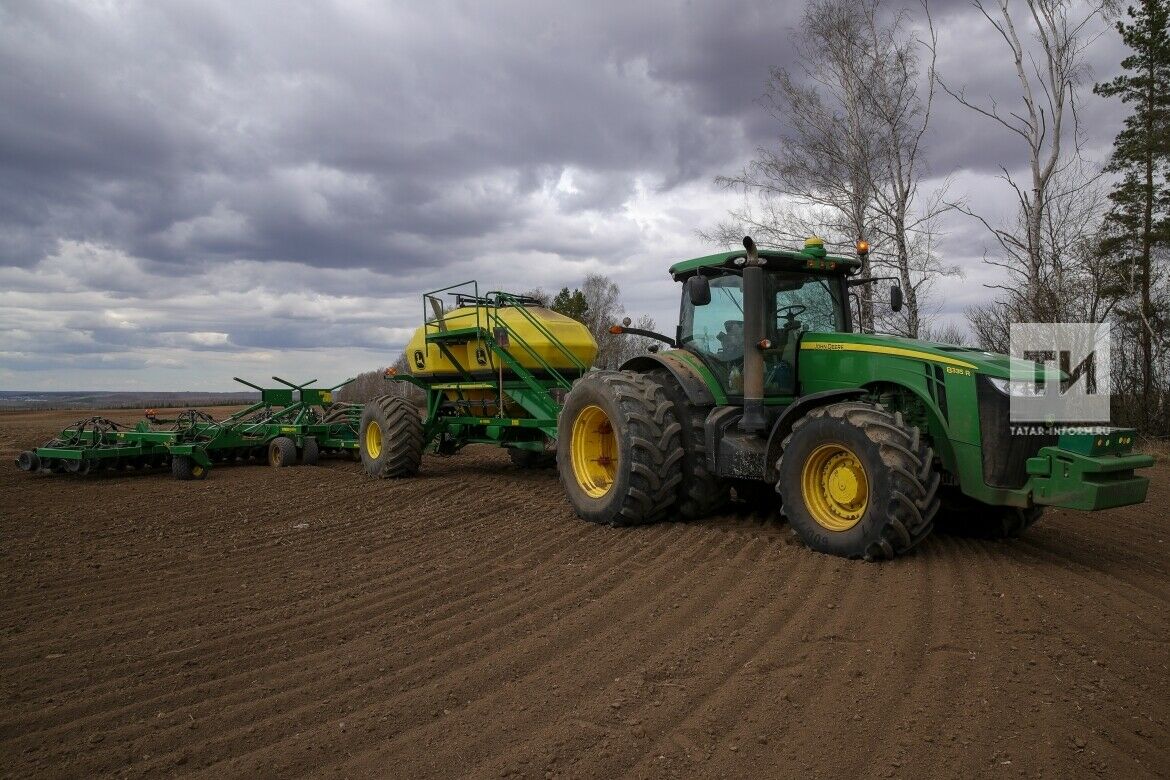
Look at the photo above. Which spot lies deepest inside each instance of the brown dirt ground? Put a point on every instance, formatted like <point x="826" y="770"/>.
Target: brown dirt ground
<point x="311" y="621"/>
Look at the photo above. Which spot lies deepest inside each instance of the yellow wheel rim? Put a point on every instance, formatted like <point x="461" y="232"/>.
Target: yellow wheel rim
<point x="594" y="452"/>
<point x="835" y="487"/>
<point x="197" y="470"/>
<point x="374" y="439"/>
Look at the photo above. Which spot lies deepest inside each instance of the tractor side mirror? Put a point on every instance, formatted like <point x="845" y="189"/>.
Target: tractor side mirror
<point x="896" y="298"/>
<point x="699" y="290"/>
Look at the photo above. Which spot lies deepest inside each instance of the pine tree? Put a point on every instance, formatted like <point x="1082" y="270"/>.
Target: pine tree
<point x="1138" y="224"/>
<point x="571" y="304"/>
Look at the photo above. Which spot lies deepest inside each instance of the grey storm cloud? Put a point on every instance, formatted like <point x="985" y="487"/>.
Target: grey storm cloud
<point x="289" y="175"/>
<point x="311" y="133"/>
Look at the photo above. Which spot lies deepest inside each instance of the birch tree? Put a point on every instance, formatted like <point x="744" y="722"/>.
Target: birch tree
<point x="1048" y="68"/>
<point x="851" y="160"/>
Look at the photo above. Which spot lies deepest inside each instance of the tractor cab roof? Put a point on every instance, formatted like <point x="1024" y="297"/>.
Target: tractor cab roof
<point x="812" y="259"/>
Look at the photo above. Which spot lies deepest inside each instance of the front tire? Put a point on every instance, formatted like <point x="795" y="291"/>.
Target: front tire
<point x="391" y="438"/>
<point x="857" y="481"/>
<point x="619" y="449"/>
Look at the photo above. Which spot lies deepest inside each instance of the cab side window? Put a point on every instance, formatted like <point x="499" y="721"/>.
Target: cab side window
<point x="717" y="328"/>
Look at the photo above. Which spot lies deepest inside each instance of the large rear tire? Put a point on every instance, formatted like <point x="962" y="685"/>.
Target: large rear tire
<point x="390" y="438"/>
<point x="857" y="481"/>
<point x="701" y="492"/>
<point x="619" y="449"/>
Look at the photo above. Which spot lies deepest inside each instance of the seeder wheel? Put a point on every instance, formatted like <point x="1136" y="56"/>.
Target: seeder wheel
<point x="28" y="461"/>
<point x="282" y="451"/>
<point x="185" y="468"/>
<point x="391" y="437"/>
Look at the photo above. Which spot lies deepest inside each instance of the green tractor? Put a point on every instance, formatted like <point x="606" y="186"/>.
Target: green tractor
<point x="767" y="389"/>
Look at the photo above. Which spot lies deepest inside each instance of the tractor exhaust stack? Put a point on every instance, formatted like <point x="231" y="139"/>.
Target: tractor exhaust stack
<point x="753" y="420"/>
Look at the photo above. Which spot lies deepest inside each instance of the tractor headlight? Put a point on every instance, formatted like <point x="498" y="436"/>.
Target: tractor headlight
<point x="1017" y="387"/>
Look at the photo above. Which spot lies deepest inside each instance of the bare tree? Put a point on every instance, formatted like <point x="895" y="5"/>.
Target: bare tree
<point x="539" y="294"/>
<point x="901" y="98"/>
<point x="851" y="162"/>
<point x="916" y="261"/>
<point x="1049" y="71"/>
<point x="374" y="384"/>
<point x="1075" y="286"/>
<point x="946" y="333"/>
<point x="604" y="308"/>
<point x="817" y="180"/>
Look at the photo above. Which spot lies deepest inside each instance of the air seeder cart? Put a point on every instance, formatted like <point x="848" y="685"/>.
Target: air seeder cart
<point x="493" y="370"/>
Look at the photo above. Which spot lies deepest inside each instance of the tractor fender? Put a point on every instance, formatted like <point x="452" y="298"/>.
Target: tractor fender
<point x="793" y="412"/>
<point x="698" y="393"/>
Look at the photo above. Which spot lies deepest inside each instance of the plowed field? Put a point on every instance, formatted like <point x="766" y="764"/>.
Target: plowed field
<point x="311" y="621"/>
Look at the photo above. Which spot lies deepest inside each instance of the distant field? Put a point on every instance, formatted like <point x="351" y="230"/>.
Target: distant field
<point x="16" y="400"/>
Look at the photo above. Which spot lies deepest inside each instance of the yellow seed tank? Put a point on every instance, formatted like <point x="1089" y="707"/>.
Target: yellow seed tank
<point x="529" y="328"/>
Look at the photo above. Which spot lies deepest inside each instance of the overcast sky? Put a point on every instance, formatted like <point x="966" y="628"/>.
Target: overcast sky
<point x="195" y="190"/>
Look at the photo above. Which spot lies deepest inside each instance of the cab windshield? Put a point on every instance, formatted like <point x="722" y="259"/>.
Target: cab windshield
<point x="794" y="303"/>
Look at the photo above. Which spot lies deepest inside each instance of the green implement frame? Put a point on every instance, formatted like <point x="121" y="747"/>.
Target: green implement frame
<point x="517" y="408"/>
<point x="307" y="418"/>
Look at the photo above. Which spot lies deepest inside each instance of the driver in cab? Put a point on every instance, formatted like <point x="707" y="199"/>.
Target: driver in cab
<point x="731" y="341"/>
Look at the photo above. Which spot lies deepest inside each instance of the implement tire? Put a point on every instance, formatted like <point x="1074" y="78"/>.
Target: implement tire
<point x="619" y="449"/>
<point x="282" y="452"/>
<point x="185" y="468"/>
<point x="700" y="493"/>
<point x="28" y="461"/>
<point x="390" y="438"/>
<point x="857" y="481"/>
<point x="531" y="459"/>
<point x="339" y="415"/>
<point x="310" y="453"/>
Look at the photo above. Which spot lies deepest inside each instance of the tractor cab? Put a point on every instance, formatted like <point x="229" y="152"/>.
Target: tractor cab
<point x="801" y="292"/>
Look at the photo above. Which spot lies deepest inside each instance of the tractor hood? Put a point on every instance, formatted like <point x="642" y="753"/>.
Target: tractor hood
<point x="989" y="363"/>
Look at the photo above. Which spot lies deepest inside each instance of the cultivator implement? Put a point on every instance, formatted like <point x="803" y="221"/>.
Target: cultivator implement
<point x="289" y="424"/>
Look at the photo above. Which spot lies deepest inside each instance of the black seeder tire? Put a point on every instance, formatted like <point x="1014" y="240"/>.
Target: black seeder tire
<point x="391" y="437"/>
<point x="28" y="461"/>
<point x="310" y="453"/>
<point x="282" y="452"/>
<point x="619" y="449"/>
<point x="700" y="493"/>
<point x="185" y="468"/>
<point x="867" y="475"/>
<point x="531" y="459"/>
